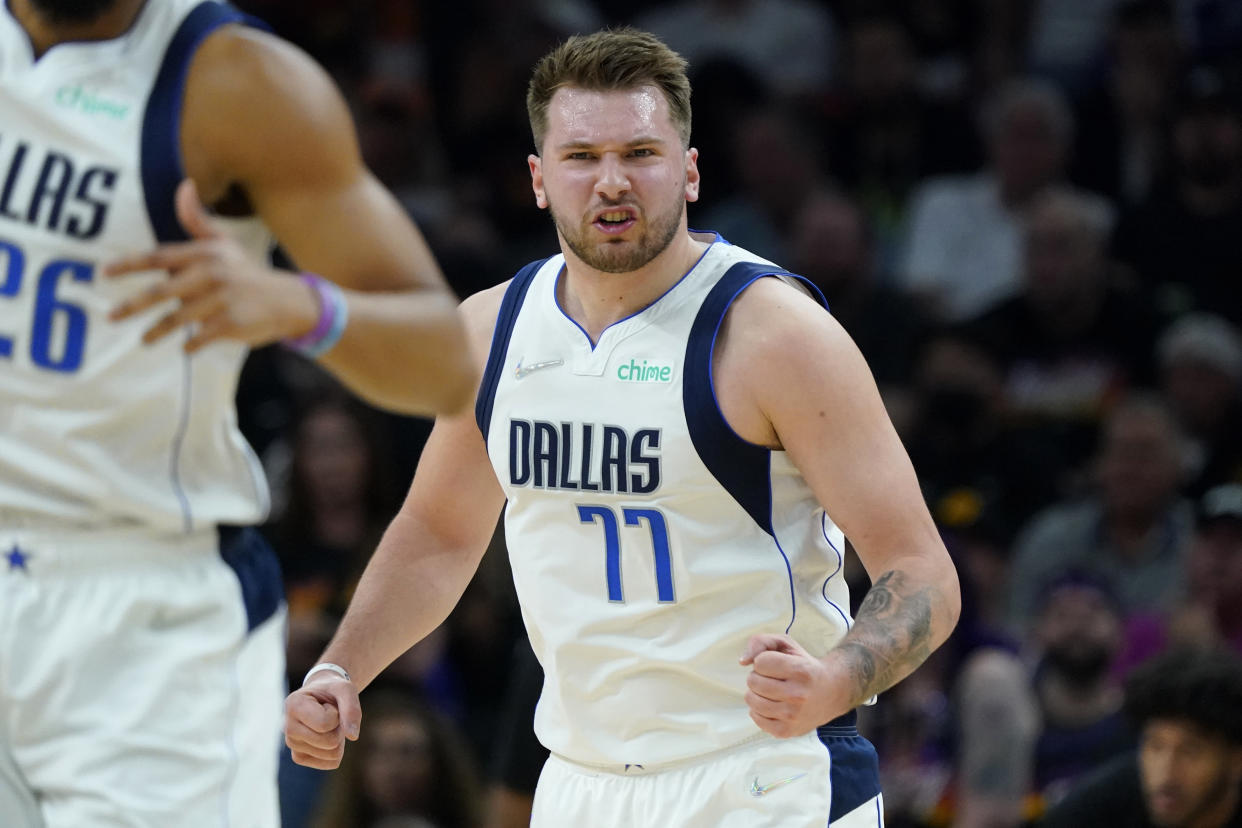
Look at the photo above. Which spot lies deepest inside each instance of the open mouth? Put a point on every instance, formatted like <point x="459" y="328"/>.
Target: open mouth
<point x="614" y="222"/>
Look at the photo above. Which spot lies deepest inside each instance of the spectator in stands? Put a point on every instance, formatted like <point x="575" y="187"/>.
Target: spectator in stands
<point x="885" y="135"/>
<point x="410" y="763"/>
<point x="963" y="247"/>
<point x="341" y="491"/>
<point x="1071" y="341"/>
<point x="1201" y="377"/>
<point x="969" y="457"/>
<point x="1132" y="530"/>
<point x="1211" y="612"/>
<point x="776" y="162"/>
<point x="833" y="246"/>
<point x="1122" y="148"/>
<point x="1187" y="773"/>
<point x="1079" y="635"/>
<point x="1067" y="38"/>
<point x="792" y="43"/>
<point x="1183" y="242"/>
<point x="1023" y="737"/>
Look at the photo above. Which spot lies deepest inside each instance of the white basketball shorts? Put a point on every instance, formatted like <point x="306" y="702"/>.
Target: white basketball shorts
<point x="829" y="778"/>
<point x="141" y="679"/>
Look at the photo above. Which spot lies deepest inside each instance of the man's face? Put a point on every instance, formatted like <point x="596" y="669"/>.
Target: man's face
<point x="1080" y="631"/>
<point x="1139" y="468"/>
<point x="1063" y="259"/>
<point x="829" y="245"/>
<point x="614" y="175"/>
<point x="71" y="11"/>
<point x="1186" y="773"/>
<point x="1215" y="562"/>
<point x="1026" y="150"/>
<point x="1208" y="146"/>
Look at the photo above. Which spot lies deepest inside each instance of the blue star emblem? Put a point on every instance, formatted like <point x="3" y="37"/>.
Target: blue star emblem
<point x="17" y="559"/>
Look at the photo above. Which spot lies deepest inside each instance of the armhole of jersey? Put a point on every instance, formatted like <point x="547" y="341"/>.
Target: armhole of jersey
<point x="515" y="294"/>
<point x="162" y="167"/>
<point x="741" y="467"/>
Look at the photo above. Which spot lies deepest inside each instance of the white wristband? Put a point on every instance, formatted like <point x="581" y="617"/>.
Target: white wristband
<point x="326" y="665"/>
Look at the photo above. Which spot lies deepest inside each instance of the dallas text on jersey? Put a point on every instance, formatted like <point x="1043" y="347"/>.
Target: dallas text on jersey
<point x="541" y="455"/>
<point x="64" y="197"/>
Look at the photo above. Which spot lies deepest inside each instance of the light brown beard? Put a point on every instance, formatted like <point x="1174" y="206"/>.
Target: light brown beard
<point x="654" y="239"/>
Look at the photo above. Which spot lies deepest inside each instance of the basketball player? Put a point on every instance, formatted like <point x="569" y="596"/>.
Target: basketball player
<point x="682" y="436"/>
<point x="140" y="640"/>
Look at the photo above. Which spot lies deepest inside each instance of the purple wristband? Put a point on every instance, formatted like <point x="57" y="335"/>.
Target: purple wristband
<point x="327" y="313"/>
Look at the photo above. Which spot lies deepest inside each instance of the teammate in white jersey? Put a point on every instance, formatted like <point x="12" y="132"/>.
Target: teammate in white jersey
<point x="678" y="438"/>
<point x="141" y="633"/>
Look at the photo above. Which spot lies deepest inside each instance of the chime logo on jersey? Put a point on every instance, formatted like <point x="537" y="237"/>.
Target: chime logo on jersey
<point x="633" y="371"/>
<point x="585" y="457"/>
<point x="76" y="97"/>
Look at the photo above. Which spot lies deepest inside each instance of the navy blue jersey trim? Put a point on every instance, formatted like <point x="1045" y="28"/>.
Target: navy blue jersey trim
<point x="254" y="563"/>
<point x="162" y="167"/>
<point x="855" y="770"/>
<point x="741" y="467"/>
<point x="515" y="294"/>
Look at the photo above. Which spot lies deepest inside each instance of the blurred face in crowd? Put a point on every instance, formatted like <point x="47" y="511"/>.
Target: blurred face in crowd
<point x="1208" y="146"/>
<point x="1027" y="152"/>
<point x="1190" y="777"/>
<point x="1064" y="259"/>
<point x="881" y="63"/>
<point x="1214" y="562"/>
<point x="960" y="388"/>
<point x="774" y="161"/>
<point x="829" y="244"/>
<point x="1199" y="391"/>
<point x="614" y="175"/>
<point x="398" y="767"/>
<point x="1140" y="466"/>
<point x="1080" y="632"/>
<point x="1146" y="58"/>
<point x="334" y="455"/>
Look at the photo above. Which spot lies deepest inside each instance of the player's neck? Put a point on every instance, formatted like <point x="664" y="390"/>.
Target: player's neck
<point x="595" y="299"/>
<point x="44" y="33"/>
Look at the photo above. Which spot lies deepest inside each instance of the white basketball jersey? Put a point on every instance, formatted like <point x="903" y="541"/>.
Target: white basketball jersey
<point x="648" y="541"/>
<point x="96" y="427"/>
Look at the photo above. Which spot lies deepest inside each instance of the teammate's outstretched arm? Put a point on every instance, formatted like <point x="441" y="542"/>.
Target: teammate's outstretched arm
<point x="423" y="564"/>
<point x="263" y="125"/>
<point x="788" y="375"/>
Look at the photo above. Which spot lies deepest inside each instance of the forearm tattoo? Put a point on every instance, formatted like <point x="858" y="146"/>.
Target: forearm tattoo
<point x="891" y="636"/>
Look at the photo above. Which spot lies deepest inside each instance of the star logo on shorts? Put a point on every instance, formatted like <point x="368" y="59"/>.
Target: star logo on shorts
<point x="763" y="790"/>
<point x="17" y="559"/>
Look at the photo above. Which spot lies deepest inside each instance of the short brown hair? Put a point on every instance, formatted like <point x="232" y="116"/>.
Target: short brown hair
<point x="612" y="59"/>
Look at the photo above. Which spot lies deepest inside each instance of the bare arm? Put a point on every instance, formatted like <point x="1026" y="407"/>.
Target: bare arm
<point x="262" y="118"/>
<point x="423" y="564"/>
<point x="800" y="384"/>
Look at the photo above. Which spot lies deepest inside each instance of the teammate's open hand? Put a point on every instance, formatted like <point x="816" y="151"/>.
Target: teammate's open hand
<point x="319" y="718"/>
<point x="217" y="285"/>
<point x="789" y="691"/>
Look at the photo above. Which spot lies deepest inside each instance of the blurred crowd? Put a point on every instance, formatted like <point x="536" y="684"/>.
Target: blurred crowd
<point x="1027" y="213"/>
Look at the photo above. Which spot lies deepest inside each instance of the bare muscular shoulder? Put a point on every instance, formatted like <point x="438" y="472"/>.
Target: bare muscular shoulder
<point x="778" y="349"/>
<point x="248" y="93"/>
<point x="479" y="313"/>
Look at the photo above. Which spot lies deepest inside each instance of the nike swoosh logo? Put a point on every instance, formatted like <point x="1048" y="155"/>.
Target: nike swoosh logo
<point x="762" y="790"/>
<point x="525" y="370"/>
